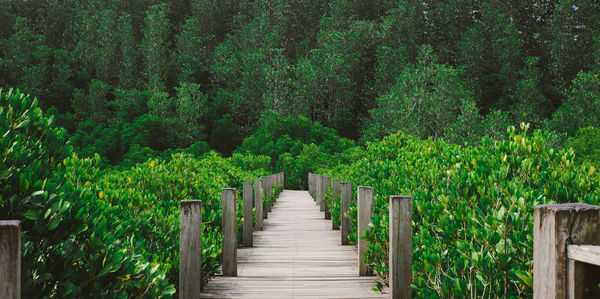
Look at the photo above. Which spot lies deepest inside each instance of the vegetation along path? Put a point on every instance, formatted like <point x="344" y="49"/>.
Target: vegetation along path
<point x="297" y="255"/>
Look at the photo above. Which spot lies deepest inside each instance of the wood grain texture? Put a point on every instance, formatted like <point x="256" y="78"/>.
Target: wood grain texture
<point x="313" y="179"/>
<point x="400" y="251"/>
<point x="554" y="227"/>
<point x="258" y="204"/>
<point x="324" y="204"/>
<point x="335" y="193"/>
<point x="584" y="271"/>
<point x="247" y="224"/>
<point x="190" y="249"/>
<point x="319" y="191"/>
<point x="10" y="259"/>
<point x="365" y="213"/>
<point x="589" y="254"/>
<point x="269" y="191"/>
<point x="346" y="198"/>
<point x="265" y="189"/>
<point x="297" y="255"/>
<point x="229" y="206"/>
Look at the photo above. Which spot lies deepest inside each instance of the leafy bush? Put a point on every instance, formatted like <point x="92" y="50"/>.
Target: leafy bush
<point x="293" y="144"/>
<point x="250" y="161"/>
<point x="581" y="108"/>
<point x="586" y="144"/>
<point x="148" y="196"/>
<point x="103" y="233"/>
<point x="69" y="249"/>
<point x="473" y="207"/>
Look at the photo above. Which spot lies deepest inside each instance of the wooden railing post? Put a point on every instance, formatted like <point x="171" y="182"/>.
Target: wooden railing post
<point x="335" y="193"/>
<point x="365" y="213"/>
<point x="324" y="204"/>
<point x="258" y="204"/>
<point x="313" y="186"/>
<point x="264" y="187"/>
<point x="310" y="185"/>
<point x="346" y="197"/>
<point x="400" y="247"/>
<point x="10" y="259"/>
<point x="282" y="180"/>
<point x="190" y="248"/>
<point x="247" y="225"/>
<point x="554" y="227"/>
<point x="318" y="189"/>
<point x="229" y="232"/>
<point x="270" y="189"/>
<point x="273" y="186"/>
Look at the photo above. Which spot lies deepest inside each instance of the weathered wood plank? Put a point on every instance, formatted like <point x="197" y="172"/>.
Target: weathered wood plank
<point x="335" y="193"/>
<point x="10" y="259"/>
<point x="400" y="251"/>
<point x="589" y="254"/>
<point x="365" y="213"/>
<point x="229" y="207"/>
<point x="554" y="227"/>
<point x="319" y="191"/>
<point x="297" y="255"/>
<point x="247" y="224"/>
<point x="258" y="205"/>
<point x="346" y="198"/>
<point x="324" y="203"/>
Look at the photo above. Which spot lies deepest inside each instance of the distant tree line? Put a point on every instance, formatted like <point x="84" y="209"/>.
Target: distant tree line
<point x="128" y="76"/>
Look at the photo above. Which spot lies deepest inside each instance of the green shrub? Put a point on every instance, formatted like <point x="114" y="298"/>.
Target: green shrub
<point x="148" y="195"/>
<point x="292" y="144"/>
<point x="69" y="248"/>
<point x="473" y="207"/>
<point x="586" y="144"/>
<point x="112" y="233"/>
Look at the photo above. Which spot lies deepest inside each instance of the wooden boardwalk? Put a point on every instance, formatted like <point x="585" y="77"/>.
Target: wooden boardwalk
<point x="297" y="255"/>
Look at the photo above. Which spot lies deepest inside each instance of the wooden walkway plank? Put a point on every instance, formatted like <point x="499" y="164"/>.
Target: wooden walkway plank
<point x="297" y="255"/>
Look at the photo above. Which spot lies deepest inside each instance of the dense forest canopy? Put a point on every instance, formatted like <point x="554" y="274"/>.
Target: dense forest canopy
<point x="143" y="76"/>
<point x="410" y="97"/>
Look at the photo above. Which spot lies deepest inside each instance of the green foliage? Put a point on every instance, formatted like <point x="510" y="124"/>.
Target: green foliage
<point x="155" y="46"/>
<point x="581" y="108"/>
<point x="251" y="162"/>
<point x="586" y="145"/>
<point x="351" y="65"/>
<point x="148" y="196"/>
<point x="225" y="135"/>
<point x="106" y="233"/>
<point x="70" y="250"/>
<point x="423" y="102"/>
<point x="473" y="207"/>
<point x="296" y="146"/>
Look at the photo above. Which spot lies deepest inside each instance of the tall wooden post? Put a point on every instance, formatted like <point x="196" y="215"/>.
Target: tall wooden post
<point x="319" y="189"/>
<point x="554" y="227"/>
<point x="258" y="204"/>
<point x="346" y="197"/>
<point x="274" y="185"/>
<point x="229" y="233"/>
<point x="365" y="212"/>
<point x="265" y="186"/>
<point x="190" y="249"/>
<point x="10" y="259"/>
<point x="335" y="193"/>
<point x="270" y="190"/>
<point x="324" y="204"/>
<point x="247" y="225"/>
<point x="313" y="186"/>
<point x="400" y="247"/>
<point x="283" y="180"/>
